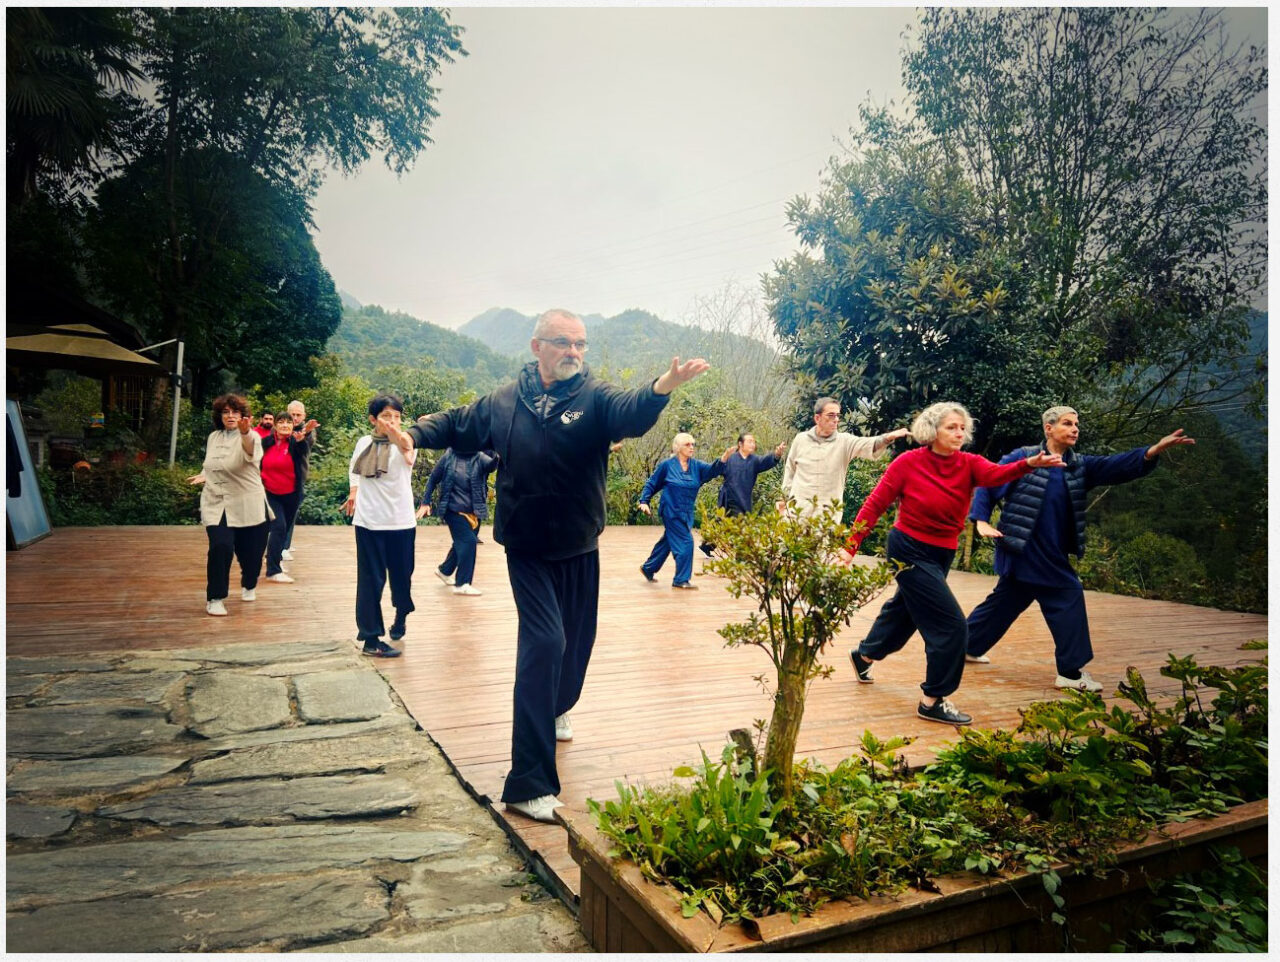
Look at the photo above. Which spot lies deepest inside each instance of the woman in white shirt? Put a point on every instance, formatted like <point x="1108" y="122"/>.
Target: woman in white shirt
<point x="233" y="504"/>
<point x="381" y="505"/>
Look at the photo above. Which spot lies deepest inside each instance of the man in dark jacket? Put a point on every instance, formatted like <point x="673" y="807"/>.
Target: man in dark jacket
<point x="1043" y="520"/>
<point x="551" y="429"/>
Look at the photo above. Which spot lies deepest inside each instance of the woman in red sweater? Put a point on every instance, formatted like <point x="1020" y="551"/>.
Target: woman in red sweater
<point x="284" y="458"/>
<point x="933" y="486"/>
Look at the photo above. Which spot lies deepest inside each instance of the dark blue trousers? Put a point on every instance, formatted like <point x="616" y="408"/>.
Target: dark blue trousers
<point x="462" y="553"/>
<point x="922" y="602"/>
<point x="382" y="556"/>
<point x="556" y="604"/>
<point x="288" y="533"/>
<point x="285" y="508"/>
<point x="1063" y="610"/>
<point x="676" y="540"/>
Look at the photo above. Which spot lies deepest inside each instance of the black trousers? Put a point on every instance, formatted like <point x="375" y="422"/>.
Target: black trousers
<point x="556" y="603"/>
<point x="1063" y="610"/>
<point x="288" y="534"/>
<point x="285" y="508"/>
<point x="923" y="601"/>
<point x="462" y="553"/>
<point x="245" y="544"/>
<point x="382" y="556"/>
<point x="730" y="511"/>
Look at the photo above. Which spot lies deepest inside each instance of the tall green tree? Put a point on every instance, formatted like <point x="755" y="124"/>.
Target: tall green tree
<point x="1071" y="208"/>
<point x="246" y="109"/>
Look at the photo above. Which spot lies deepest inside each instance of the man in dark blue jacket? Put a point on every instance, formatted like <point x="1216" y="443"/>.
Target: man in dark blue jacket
<point x="551" y="428"/>
<point x="1042" y="521"/>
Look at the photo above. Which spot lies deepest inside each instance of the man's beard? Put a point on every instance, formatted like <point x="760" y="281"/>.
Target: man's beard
<point x="567" y="368"/>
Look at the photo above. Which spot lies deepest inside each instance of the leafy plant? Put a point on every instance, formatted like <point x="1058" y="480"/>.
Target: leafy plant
<point x="789" y="565"/>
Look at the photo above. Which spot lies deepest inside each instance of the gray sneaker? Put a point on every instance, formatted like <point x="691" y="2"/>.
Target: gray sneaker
<point x="943" y="711"/>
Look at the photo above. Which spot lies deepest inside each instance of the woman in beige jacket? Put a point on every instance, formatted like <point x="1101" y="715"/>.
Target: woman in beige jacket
<point x="233" y="504"/>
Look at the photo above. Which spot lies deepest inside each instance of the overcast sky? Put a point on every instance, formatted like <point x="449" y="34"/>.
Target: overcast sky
<point x="607" y="158"/>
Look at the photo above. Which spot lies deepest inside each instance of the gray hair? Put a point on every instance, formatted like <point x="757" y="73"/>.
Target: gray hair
<point x="924" y="429"/>
<point x="544" y="320"/>
<point x="822" y="402"/>
<point x="681" y="438"/>
<point x="1052" y="415"/>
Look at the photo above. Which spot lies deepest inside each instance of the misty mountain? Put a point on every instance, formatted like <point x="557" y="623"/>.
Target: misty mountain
<point x="370" y="337"/>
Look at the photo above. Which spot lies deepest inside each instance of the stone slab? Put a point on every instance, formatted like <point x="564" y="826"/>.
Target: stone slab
<point x="221" y="703"/>
<point x="83" y="731"/>
<point x="88" y="873"/>
<point x="212" y="919"/>
<point x="300" y="733"/>
<point x="88" y="774"/>
<point x="238" y="803"/>
<point x="36" y="821"/>
<point x="358" y="753"/>
<point x="150" y="687"/>
<point x="142" y="663"/>
<point x="545" y="932"/>
<point x="55" y="666"/>
<point x="434" y="896"/>
<point x="258" y="654"/>
<point x="311" y="666"/>
<point x="17" y="686"/>
<point x="339" y="696"/>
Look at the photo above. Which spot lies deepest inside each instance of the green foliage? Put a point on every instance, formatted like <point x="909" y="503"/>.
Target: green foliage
<point x="789" y="566"/>
<point x="127" y="493"/>
<point x="1073" y="781"/>
<point x="1223" y="909"/>
<point x="68" y="401"/>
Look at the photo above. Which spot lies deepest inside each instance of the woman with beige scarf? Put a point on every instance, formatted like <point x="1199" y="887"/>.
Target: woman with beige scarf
<point x="381" y="505"/>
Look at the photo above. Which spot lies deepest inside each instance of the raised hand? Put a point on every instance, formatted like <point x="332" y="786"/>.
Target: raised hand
<point x="1168" y="441"/>
<point x="1042" y="459"/>
<point x="679" y="374"/>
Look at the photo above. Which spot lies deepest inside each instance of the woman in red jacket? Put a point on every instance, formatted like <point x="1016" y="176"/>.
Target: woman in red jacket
<point x="284" y="458"/>
<point x="933" y="485"/>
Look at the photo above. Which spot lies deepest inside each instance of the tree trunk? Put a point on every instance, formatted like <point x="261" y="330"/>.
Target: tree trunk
<point x="784" y="727"/>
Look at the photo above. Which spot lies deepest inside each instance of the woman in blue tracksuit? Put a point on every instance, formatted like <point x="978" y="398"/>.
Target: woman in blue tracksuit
<point x="679" y="477"/>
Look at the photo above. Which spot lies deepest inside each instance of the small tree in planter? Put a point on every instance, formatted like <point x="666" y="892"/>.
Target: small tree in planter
<point x="788" y="564"/>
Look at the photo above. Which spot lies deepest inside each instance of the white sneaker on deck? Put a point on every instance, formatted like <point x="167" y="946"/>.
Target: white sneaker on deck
<point x="280" y="578"/>
<point x="466" y="590"/>
<point x="286" y="555"/>
<point x="540" y="809"/>
<point x="446" y="578"/>
<point x="977" y="659"/>
<point x="248" y="594"/>
<point x="1085" y="682"/>
<point x="564" y="728"/>
<point x="215" y="607"/>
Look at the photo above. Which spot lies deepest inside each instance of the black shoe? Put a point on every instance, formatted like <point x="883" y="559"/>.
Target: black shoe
<point x="943" y="711"/>
<point x="685" y="585"/>
<point x="397" y="628"/>
<point x="861" y="668"/>
<point x="648" y="577"/>
<point x="377" y="648"/>
<point x="706" y="549"/>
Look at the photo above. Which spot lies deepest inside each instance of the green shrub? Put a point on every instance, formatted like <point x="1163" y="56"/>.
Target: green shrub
<point x="126" y="493"/>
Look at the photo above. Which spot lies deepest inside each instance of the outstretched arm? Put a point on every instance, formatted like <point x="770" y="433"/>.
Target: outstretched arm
<point x="679" y="374"/>
<point x="1177" y="438"/>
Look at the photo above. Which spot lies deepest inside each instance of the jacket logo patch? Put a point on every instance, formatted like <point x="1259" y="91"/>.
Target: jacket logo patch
<point x="570" y="416"/>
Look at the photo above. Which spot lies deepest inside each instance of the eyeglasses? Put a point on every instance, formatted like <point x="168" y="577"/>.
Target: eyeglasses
<point x="563" y="344"/>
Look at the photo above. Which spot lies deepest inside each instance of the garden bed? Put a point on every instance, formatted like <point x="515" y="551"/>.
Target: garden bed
<point x="620" y="911"/>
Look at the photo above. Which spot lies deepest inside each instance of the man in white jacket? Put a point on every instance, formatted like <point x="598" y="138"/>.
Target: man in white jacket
<point x="819" y="458"/>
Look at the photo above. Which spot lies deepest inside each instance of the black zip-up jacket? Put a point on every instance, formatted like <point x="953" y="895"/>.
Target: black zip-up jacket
<point x="553" y="449"/>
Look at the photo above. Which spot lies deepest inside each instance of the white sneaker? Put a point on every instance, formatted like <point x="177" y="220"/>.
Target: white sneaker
<point x="447" y="579"/>
<point x="564" y="728"/>
<point x="977" y="659"/>
<point x="280" y="578"/>
<point x="1085" y="682"/>
<point x="468" y="590"/>
<point x="248" y="594"/>
<point x="539" y="809"/>
<point x="215" y="607"/>
<point x="286" y="555"/>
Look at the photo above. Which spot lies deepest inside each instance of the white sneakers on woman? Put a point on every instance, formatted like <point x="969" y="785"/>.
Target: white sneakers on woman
<point x="215" y="607"/>
<point x="466" y="590"/>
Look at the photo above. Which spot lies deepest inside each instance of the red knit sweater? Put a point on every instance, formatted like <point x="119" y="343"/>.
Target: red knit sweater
<point x="933" y="494"/>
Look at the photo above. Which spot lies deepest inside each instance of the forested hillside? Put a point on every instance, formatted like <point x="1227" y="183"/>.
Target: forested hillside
<point x="370" y="338"/>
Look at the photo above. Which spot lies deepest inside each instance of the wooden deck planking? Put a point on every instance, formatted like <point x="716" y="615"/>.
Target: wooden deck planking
<point x="661" y="685"/>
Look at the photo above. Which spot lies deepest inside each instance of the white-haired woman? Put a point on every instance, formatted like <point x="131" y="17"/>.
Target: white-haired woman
<point x="679" y="477"/>
<point x="932" y="485"/>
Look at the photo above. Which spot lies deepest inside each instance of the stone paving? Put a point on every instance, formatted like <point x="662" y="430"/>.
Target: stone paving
<point x="259" y="798"/>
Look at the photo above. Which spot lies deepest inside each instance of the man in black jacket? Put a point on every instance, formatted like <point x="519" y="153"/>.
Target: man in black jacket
<point x="551" y="429"/>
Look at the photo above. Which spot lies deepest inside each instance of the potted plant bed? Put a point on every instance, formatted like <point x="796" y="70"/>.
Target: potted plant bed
<point x="621" y="911"/>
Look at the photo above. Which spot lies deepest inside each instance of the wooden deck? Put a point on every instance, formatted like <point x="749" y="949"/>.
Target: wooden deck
<point x="661" y="685"/>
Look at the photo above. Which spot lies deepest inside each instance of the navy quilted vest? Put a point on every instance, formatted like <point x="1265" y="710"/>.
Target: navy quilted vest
<point x="1023" y="499"/>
